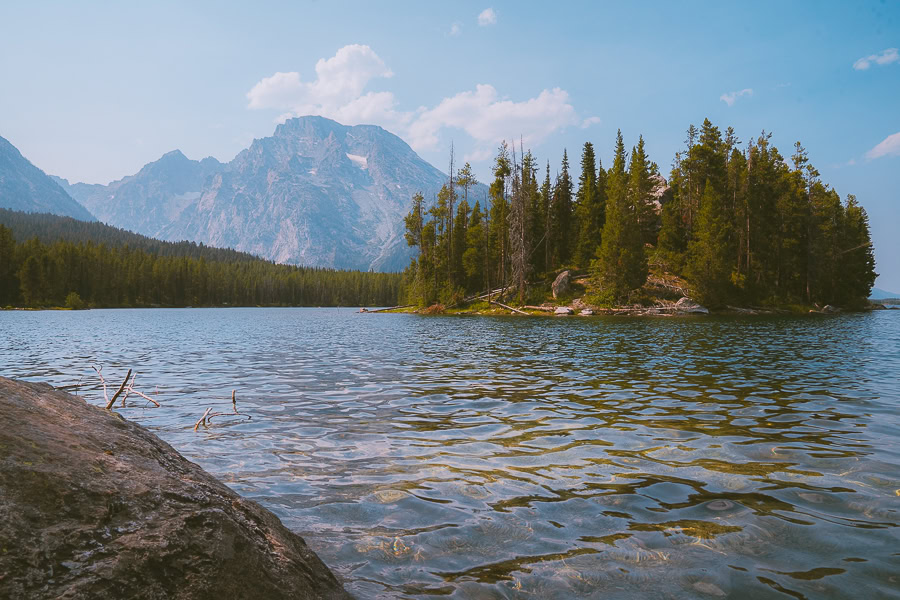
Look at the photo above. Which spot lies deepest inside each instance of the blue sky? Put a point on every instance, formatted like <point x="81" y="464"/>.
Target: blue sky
<point x="92" y="91"/>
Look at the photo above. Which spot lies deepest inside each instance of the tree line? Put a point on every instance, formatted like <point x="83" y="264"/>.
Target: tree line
<point x="64" y="272"/>
<point x="741" y="225"/>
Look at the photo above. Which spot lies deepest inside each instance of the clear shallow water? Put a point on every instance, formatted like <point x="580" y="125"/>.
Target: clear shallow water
<point x="529" y="458"/>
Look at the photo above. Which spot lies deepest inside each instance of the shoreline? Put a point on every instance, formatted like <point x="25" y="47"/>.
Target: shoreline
<point x="628" y="311"/>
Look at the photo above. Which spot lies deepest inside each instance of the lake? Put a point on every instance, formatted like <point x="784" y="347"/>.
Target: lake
<point x="492" y="457"/>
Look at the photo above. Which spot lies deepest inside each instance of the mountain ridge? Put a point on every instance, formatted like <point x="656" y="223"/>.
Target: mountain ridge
<point x="25" y="187"/>
<point x="315" y="193"/>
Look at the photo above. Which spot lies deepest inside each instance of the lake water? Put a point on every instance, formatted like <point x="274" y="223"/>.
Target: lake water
<point x="479" y="457"/>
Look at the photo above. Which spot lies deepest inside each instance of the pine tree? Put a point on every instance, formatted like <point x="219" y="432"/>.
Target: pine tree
<point x="473" y="257"/>
<point x="621" y="265"/>
<point x="415" y="225"/>
<point x="563" y="213"/>
<point x="519" y="243"/>
<point x="640" y="184"/>
<point x="587" y="219"/>
<point x="709" y="268"/>
<point x="857" y="259"/>
<point x="547" y="216"/>
<point x="499" y="227"/>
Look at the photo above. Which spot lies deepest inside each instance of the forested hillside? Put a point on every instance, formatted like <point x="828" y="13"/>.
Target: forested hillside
<point x="741" y="225"/>
<point x="47" y="260"/>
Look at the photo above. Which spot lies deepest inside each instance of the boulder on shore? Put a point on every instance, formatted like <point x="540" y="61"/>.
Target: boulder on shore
<point x="686" y="305"/>
<point x="563" y="310"/>
<point x="562" y="284"/>
<point x="93" y="506"/>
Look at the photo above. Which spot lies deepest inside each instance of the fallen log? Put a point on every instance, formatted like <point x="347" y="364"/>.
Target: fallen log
<point x="543" y="308"/>
<point x="484" y="295"/>
<point x="515" y="310"/>
<point x="387" y="309"/>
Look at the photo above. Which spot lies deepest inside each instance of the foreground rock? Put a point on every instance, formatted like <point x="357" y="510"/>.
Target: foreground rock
<point x="94" y="506"/>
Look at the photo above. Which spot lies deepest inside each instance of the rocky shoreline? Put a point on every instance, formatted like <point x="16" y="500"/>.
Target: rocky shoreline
<point x="93" y="506"/>
<point x="665" y="296"/>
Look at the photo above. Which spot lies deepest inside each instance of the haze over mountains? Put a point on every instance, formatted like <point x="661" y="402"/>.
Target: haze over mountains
<point x="315" y="193"/>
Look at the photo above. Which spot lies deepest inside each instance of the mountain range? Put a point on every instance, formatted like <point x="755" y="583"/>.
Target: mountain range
<point x="315" y="193"/>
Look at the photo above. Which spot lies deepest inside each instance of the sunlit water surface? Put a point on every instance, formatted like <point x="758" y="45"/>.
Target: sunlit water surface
<point x="528" y="457"/>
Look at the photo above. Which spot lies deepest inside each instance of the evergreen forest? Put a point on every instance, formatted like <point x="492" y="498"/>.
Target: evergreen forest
<point x="46" y="260"/>
<point x="742" y="224"/>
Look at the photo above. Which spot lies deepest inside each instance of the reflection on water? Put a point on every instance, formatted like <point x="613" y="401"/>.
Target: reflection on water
<point x="529" y="458"/>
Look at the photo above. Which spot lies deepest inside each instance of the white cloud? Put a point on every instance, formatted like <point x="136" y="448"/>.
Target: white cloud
<point x="591" y="121"/>
<point x="890" y="146"/>
<point x="731" y="97"/>
<point x="487" y="17"/>
<point x="338" y="92"/>
<point x="488" y="118"/>
<point x="455" y="29"/>
<point x="339" y="79"/>
<point x="885" y="57"/>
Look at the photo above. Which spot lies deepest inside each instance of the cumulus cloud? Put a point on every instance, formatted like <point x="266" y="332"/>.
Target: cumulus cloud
<point x="455" y="29"/>
<point x="885" y="57"/>
<point x="487" y="17"/>
<point x="890" y="146"/>
<point x="730" y="98"/>
<point x="591" y="121"/>
<point x="488" y="118"/>
<point x="339" y="93"/>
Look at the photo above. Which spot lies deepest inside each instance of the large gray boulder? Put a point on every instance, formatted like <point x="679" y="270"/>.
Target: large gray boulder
<point x="93" y="506"/>
<point x="562" y="284"/>
<point x="686" y="305"/>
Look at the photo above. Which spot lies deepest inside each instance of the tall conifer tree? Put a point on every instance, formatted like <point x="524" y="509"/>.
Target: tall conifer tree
<point x="621" y="265"/>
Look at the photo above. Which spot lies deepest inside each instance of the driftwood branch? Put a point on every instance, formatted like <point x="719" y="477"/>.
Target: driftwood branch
<point x="515" y="310"/>
<point x="124" y="390"/>
<point x="128" y="389"/>
<point x="131" y="390"/>
<point x="110" y="403"/>
<point x="103" y="381"/>
<point x="234" y="411"/>
<point x="202" y="420"/>
<point x="145" y="397"/>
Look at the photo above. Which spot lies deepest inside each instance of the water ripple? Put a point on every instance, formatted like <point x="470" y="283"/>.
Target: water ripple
<point x="524" y="458"/>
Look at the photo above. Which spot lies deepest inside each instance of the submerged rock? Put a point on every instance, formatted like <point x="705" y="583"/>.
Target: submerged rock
<point x="686" y="305"/>
<point x="93" y="506"/>
<point x="562" y="284"/>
